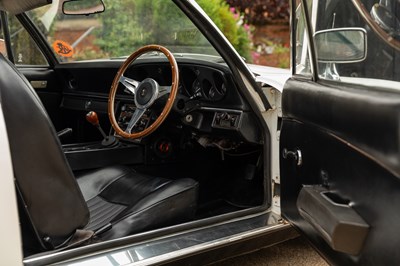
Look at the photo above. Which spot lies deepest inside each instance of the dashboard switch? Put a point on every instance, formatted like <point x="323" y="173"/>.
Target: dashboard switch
<point x="233" y="121"/>
<point x="189" y="118"/>
<point x="226" y="120"/>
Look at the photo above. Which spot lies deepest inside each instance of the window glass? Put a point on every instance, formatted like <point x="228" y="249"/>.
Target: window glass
<point x="119" y="31"/>
<point x="351" y="50"/>
<point x="3" y="49"/>
<point x="24" y="49"/>
<point x="302" y="64"/>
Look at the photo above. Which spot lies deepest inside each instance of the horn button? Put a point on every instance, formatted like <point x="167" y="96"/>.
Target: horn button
<point x="146" y="93"/>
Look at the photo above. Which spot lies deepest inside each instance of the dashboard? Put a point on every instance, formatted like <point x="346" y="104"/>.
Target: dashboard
<point x="208" y="102"/>
<point x="196" y="82"/>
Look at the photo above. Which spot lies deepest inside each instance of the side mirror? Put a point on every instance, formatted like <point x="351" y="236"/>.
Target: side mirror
<point x="82" y="7"/>
<point x="341" y="45"/>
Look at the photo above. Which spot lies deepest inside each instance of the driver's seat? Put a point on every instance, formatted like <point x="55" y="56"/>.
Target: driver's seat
<point x="61" y="208"/>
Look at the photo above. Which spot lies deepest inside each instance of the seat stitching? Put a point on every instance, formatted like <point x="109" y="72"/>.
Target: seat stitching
<point x="100" y="222"/>
<point x="92" y="210"/>
<point x="113" y="210"/>
<point x="114" y="180"/>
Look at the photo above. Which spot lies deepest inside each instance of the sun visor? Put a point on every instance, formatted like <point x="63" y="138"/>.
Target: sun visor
<point x="19" y="6"/>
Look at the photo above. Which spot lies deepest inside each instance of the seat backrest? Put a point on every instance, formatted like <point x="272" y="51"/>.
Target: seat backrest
<point x="49" y="191"/>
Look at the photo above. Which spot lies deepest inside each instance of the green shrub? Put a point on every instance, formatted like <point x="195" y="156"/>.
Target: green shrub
<point x="119" y="34"/>
<point x="129" y="24"/>
<point x="219" y="12"/>
<point x="260" y="12"/>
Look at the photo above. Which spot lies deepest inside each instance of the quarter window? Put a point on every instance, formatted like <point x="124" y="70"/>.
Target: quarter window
<point x="24" y="49"/>
<point x="3" y="49"/>
<point x="303" y="64"/>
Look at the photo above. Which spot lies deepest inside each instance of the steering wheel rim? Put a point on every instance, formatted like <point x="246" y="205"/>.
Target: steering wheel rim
<point x="170" y="101"/>
<point x="383" y="35"/>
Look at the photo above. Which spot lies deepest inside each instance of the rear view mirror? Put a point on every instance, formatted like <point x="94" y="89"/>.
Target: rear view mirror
<point x="341" y="45"/>
<point x="83" y="7"/>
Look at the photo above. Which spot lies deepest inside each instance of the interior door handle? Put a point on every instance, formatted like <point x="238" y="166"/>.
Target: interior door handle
<point x="296" y="155"/>
<point x="39" y="84"/>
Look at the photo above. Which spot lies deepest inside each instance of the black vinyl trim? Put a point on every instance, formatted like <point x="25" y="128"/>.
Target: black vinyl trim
<point x="311" y="49"/>
<point x="292" y="35"/>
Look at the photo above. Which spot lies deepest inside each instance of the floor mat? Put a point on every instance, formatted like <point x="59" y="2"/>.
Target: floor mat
<point x="215" y="207"/>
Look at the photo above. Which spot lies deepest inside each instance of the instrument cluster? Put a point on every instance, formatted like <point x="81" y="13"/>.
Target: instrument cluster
<point x="196" y="81"/>
<point x="203" y="83"/>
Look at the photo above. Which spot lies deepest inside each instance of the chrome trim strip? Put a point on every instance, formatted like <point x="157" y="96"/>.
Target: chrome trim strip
<point x="211" y="109"/>
<point x="207" y="246"/>
<point x="162" y="247"/>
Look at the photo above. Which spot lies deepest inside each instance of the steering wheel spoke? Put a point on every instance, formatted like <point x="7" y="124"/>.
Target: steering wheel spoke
<point x="163" y="90"/>
<point x="144" y="94"/>
<point x="130" y="84"/>
<point x="134" y="119"/>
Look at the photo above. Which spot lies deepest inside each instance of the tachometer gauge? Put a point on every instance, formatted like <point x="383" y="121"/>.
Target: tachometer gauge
<point x="221" y="90"/>
<point x="213" y="91"/>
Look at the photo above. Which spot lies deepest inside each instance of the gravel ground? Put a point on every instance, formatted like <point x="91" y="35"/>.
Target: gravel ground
<point x="293" y="252"/>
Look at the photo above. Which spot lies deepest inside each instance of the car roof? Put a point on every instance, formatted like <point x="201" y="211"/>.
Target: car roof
<point x="16" y="7"/>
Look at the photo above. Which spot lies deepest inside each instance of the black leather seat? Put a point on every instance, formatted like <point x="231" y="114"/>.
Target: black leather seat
<point x="130" y="202"/>
<point x="113" y="201"/>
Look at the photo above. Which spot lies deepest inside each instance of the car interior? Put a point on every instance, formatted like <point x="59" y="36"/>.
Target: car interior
<point x="79" y="182"/>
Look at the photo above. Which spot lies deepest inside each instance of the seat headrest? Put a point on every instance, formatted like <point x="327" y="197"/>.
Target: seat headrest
<point x="19" y="6"/>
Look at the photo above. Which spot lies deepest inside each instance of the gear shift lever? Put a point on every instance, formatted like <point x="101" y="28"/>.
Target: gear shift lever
<point x="93" y="119"/>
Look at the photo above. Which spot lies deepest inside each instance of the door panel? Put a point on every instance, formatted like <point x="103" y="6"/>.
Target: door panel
<point x="85" y="88"/>
<point x="349" y="142"/>
<point x="69" y="91"/>
<point x="49" y="90"/>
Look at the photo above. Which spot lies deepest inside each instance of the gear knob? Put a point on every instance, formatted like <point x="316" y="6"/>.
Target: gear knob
<point x="92" y="118"/>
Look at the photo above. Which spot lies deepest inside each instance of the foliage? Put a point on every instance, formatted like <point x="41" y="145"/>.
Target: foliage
<point x="262" y="11"/>
<point x="24" y="49"/>
<point x="272" y="54"/>
<point x="119" y="33"/>
<point x="230" y="23"/>
<point x="283" y="54"/>
<point x="88" y="54"/>
<point x="128" y="24"/>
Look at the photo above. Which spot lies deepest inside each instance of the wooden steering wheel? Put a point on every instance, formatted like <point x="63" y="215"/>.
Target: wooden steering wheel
<point x="145" y="93"/>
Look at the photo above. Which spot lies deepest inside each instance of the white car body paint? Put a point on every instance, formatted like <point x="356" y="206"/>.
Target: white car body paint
<point x="273" y="76"/>
<point x="272" y="81"/>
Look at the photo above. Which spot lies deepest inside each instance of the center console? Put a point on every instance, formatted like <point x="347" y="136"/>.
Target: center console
<point x="110" y="151"/>
<point x="94" y="155"/>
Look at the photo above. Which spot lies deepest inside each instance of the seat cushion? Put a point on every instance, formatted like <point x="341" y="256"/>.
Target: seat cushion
<point x="129" y="202"/>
